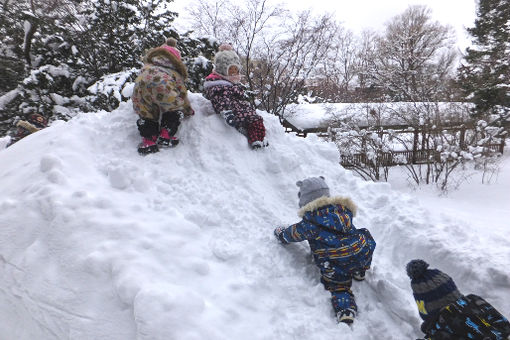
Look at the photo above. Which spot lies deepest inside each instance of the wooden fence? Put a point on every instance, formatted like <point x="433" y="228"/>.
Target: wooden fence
<point x="402" y="157"/>
<point x="414" y="156"/>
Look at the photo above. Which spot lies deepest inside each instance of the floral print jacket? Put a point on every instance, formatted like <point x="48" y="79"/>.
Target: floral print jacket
<point x="227" y="96"/>
<point x="160" y="86"/>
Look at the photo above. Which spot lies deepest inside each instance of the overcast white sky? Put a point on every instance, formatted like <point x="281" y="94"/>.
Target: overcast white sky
<point x="357" y="15"/>
<point x="360" y="14"/>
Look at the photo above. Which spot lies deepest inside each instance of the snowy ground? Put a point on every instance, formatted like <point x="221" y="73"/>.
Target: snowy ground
<point x="99" y="243"/>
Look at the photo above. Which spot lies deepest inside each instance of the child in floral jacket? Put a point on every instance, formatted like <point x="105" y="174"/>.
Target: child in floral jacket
<point x="222" y="87"/>
<point x="160" y="97"/>
<point x="341" y="251"/>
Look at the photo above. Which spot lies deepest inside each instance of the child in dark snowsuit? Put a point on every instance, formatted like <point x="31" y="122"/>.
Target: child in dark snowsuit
<point x="160" y="97"/>
<point x="449" y="315"/>
<point x="341" y="251"/>
<point x="222" y="87"/>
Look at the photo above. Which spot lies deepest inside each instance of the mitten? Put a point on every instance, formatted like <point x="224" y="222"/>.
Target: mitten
<point x="229" y="116"/>
<point x="190" y="112"/>
<point x="278" y="233"/>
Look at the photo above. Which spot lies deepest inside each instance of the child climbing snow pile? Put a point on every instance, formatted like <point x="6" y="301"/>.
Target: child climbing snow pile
<point x="341" y="251"/>
<point x="449" y="315"/>
<point x="227" y="95"/>
<point x="160" y="97"/>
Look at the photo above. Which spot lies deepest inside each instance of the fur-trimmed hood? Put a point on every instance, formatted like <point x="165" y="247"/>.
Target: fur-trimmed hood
<point x="323" y="201"/>
<point x="162" y="52"/>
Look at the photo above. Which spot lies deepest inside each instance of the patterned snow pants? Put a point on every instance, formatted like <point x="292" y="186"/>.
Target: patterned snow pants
<point x="340" y="288"/>
<point x="255" y="129"/>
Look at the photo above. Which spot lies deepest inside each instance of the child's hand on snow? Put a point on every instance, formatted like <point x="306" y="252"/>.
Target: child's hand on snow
<point x="278" y="233"/>
<point x="188" y="112"/>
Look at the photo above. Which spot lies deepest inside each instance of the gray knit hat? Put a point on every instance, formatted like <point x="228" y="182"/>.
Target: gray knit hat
<point x="432" y="289"/>
<point x="224" y="58"/>
<point x="310" y="189"/>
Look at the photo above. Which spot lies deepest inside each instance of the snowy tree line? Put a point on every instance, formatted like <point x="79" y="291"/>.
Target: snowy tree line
<point x="414" y="59"/>
<point x="52" y="51"/>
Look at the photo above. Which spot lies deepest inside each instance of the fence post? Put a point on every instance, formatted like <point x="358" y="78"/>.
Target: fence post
<point x="462" y="138"/>
<point x="415" y="146"/>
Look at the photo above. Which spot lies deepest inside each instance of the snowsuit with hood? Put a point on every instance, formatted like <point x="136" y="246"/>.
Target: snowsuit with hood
<point x="160" y="96"/>
<point x="229" y="99"/>
<point x="160" y="86"/>
<point x="338" y="248"/>
<point x="448" y="314"/>
<point x="470" y="317"/>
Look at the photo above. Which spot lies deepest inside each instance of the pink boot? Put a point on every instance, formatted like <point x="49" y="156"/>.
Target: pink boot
<point x="147" y="146"/>
<point x="165" y="140"/>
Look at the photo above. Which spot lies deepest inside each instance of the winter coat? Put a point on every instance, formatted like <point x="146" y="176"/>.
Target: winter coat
<point x="35" y="122"/>
<point x="227" y="96"/>
<point x="160" y="86"/>
<point x="470" y="317"/>
<point x="338" y="248"/>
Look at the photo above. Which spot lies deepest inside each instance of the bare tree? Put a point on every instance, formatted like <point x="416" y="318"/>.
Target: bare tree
<point x="415" y="57"/>
<point x="367" y="86"/>
<point x="288" y="61"/>
<point x="211" y="18"/>
<point x="280" y="51"/>
<point x="336" y="72"/>
<point x="245" y="25"/>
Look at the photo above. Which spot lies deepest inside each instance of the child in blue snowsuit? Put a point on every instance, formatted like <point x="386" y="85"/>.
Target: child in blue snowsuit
<point x="341" y="251"/>
<point x="449" y="315"/>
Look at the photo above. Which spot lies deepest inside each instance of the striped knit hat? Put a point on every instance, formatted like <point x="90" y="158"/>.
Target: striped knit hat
<point x="432" y="289"/>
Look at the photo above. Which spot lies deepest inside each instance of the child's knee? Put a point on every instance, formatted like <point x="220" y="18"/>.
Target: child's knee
<point x="147" y="127"/>
<point x="171" y="120"/>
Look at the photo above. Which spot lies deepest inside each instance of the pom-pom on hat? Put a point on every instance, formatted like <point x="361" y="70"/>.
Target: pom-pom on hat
<point x="432" y="289"/>
<point x="170" y="46"/>
<point x="224" y="58"/>
<point x="310" y="189"/>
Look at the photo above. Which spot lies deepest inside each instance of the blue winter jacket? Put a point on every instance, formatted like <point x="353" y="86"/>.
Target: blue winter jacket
<point x="338" y="248"/>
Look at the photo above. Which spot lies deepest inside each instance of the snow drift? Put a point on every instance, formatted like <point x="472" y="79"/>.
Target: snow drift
<point x="97" y="242"/>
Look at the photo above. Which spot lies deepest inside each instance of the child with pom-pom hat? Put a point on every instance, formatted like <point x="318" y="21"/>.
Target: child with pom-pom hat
<point x="160" y="97"/>
<point x="449" y="315"/>
<point x="227" y="95"/>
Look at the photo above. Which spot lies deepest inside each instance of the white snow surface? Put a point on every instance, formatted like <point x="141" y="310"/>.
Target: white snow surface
<point x="97" y="242"/>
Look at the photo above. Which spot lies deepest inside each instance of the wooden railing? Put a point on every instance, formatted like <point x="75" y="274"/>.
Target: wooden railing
<point x="403" y="157"/>
<point x="415" y="156"/>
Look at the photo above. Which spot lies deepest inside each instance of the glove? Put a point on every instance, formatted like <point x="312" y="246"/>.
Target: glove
<point x="229" y="117"/>
<point x="190" y="112"/>
<point x="278" y="233"/>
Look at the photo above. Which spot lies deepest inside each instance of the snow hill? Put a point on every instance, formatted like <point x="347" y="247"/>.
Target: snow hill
<point x="99" y="243"/>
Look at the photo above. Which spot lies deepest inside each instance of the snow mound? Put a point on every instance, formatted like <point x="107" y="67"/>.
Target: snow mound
<point x="97" y="242"/>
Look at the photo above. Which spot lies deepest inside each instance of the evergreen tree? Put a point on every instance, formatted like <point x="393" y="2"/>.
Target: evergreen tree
<point x="155" y="23"/>
<point x="12" y="65"/>
<point x="39" y="56"/>
<point x="484" y="74"/>
<point x="51" y="52"/>
<point x="197" y="55"/>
